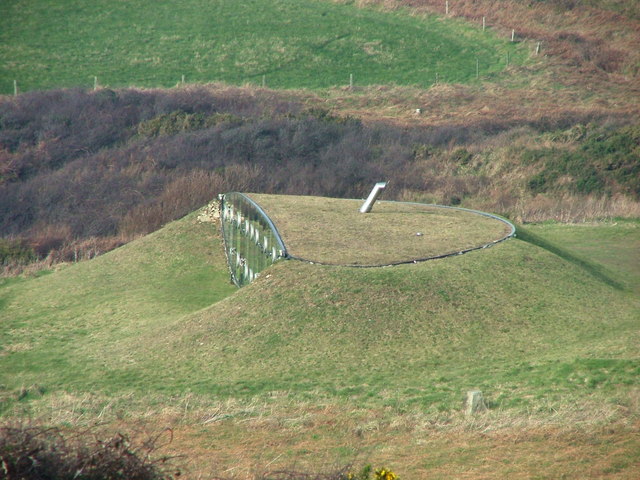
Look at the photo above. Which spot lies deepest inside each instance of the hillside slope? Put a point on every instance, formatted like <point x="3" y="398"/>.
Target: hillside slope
<point x="62" y="329"/>
<point x="313" y="364"/>
<point x="513" y="319"/>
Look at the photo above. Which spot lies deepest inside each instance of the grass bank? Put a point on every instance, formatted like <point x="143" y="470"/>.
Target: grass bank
<point x="61" y="330"/>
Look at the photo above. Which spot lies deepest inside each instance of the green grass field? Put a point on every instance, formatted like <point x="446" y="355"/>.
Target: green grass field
<point x="347" y="362"/>
<point x="291" y="43"/>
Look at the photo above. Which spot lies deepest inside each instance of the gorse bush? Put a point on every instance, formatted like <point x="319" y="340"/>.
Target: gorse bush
<point x="346" y="473"/>
<point x="607" y="161"/>
<point x="177" y="122"/>
<point x="366" y="474"/>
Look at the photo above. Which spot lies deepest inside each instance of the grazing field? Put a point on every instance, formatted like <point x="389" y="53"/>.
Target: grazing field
<point x="286" y="43"/>
<point x="311" y="365"/>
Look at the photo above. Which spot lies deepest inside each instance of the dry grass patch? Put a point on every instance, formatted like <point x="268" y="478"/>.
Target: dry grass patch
<point x="320" y="438"/>
<point x="333" y="231"/>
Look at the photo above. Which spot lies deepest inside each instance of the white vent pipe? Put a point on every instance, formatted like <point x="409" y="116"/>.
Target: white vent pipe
<point x="368" y="204"/>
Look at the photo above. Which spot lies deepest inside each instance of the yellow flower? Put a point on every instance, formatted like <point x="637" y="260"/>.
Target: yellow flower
<point x="384" y="474"/>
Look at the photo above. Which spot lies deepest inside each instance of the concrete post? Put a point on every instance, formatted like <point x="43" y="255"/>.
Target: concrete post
<point x="475" y="402"/>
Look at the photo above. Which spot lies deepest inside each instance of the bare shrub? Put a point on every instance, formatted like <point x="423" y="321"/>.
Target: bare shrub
<point x="86" y="249"/>
<point x="181" y="196"/>
<point x="35" y="453"/>
<point x="45" y="238"/>
<point x="65" y="251"/>
<point x="608" y="59"/>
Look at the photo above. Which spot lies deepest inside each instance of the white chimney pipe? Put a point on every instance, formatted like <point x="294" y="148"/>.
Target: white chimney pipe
<point x="368" y="204"/>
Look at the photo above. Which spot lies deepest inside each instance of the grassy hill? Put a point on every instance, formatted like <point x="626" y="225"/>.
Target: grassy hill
<point x="75" y="316"/>
<point x="338" y="362"/>
<point x="292" y="43"/>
